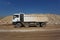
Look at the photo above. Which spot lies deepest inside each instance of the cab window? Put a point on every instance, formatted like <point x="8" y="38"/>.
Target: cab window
<point x="15" y="16"/>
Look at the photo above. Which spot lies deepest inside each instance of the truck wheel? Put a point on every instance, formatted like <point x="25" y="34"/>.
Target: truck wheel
<point x="26" y="25"/>
<point x="18" y="25"/>
<point x="42" y="24"/>
<point x="38" y="25"/>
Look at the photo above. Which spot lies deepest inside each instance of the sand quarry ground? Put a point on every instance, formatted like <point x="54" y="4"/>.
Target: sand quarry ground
<point x="50" y="32"/>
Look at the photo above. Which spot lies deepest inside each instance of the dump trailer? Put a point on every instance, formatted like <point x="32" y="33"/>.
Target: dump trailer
<point x="27" y="20"/>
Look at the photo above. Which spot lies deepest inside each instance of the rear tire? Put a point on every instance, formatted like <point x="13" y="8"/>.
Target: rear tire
<point x="42" y="24"/>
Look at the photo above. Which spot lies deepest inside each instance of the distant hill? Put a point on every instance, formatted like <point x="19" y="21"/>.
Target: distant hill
<point x="53" y="19"/>
<point x="7" y="19"/>
<point x="1" y="17"/>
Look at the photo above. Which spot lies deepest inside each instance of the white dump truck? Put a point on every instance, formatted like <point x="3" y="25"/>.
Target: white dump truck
<point x="27" y="20"/>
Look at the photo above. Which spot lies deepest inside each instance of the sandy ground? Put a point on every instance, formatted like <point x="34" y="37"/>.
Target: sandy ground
<point x="52" y="35"/>
<point x="34" y="35"/>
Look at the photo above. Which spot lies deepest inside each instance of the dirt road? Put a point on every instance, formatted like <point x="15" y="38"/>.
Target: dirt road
<point x="52" y="35"/>
<point x="38" y="35"/>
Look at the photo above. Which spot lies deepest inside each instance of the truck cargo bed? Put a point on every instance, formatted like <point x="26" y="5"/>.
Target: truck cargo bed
<point x="34" y="18"/>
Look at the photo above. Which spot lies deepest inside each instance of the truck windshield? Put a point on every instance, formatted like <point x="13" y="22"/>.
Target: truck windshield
<point x="15" y="16"/>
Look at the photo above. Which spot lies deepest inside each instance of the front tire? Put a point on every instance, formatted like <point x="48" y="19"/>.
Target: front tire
<point x="18" y="25"/>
